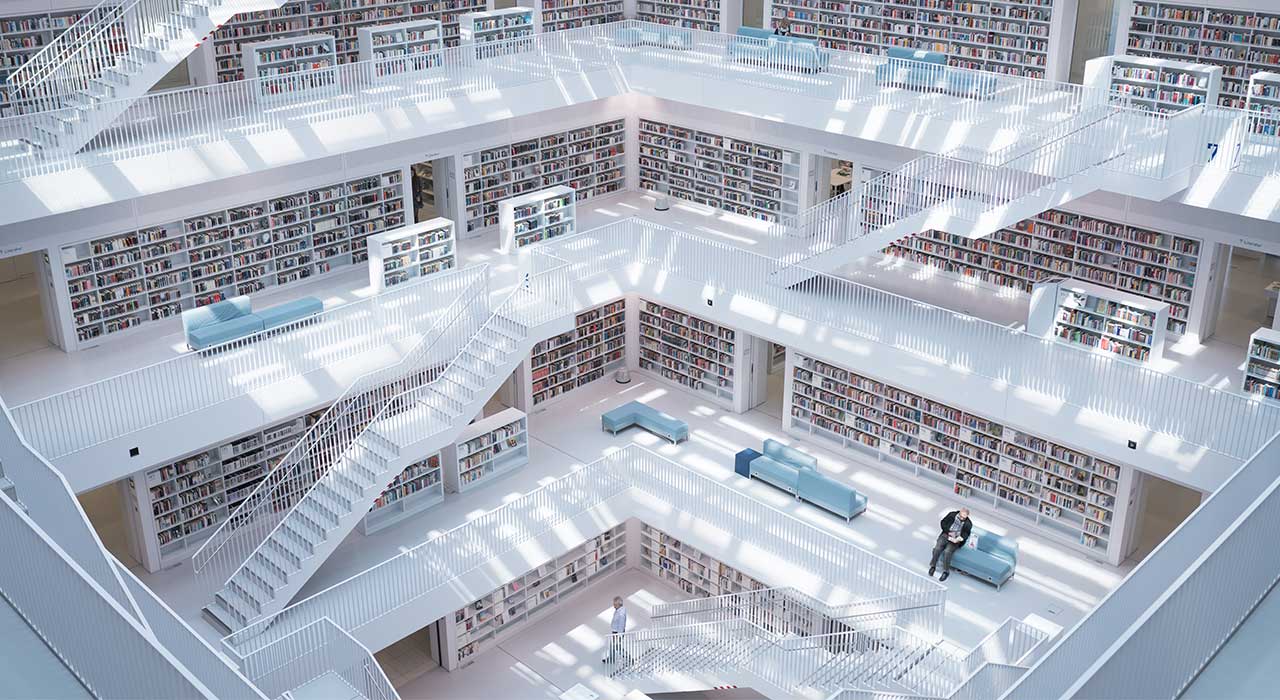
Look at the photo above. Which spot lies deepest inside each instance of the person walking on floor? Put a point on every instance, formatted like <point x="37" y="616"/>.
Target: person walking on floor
<point x="617" y="626"/>
<point x="955" y="532"/>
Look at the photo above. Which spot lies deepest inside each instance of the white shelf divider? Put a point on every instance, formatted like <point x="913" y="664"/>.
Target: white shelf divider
<point x="1156" y="84"/>
<point x="1107" y="320"/>
<point x="284" y="68"/>
<point x="536" y="217"/>
<point x="1262" y="364"/>
<point x="487" y="449"/>
<point x="411" y="252"/>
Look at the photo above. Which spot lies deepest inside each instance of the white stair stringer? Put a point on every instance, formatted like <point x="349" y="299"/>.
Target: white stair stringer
<point x="318" y="523"/>
<point x="82" y="81"/>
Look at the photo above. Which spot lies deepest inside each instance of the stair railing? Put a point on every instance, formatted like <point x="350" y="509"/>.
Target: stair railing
<point x="324" y="443"/>
<point x="311" y="652"/>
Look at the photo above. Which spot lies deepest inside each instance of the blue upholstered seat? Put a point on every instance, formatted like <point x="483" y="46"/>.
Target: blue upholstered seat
<point x="797" y="473"/>
<point x="914" y="69"/>
<point x="993" y="558"/>
<point x="789" y="455"/>
<point x="665" y="37"/>
<point x="771" y="471"/>
<point x="218" y="322"/>
<point x="763" y="47"/>
<point x="223" y="331"/>
<point x="835" y="496"/>
<point x="651" y="419"/>
<point x="288" y="312"/>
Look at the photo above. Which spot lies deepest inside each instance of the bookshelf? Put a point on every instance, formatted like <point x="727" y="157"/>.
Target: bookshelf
<point x="341" y="19"/>
<point x="777" y="358"/>
<point x="292" y="66"/>
<point x="1057" y="243"/>
<point x="691" y="14"/>
<point x="688" y="351"/>
<point x="1106" y="320"/>
<point x="494" y="616"/>
<point x="1264" y="97"/>
<point x="1013" y="37"/>
<point x="1156" y="84"/>
<point x="690" y="569"/>
<point x="126" y="280"/>
<point x="1241" y="42"/>
<point x="179" y="504"/>
<point x="1262" y="364"/>
<point x="590" y="159"/>
<point x="23" y="36"/>
<point x="403" y="46"/>
<point x="487" y="449"/>
<point x="555" y="15"/>
<point x="411" y="252"/>
<point x="595" y="347"/>
<point x="481" y="28"/>
<point x="1068" y="495"/>
<point x="414" y="490"/>
<point x="744" y="177"/>
<point x="536" y="217"/>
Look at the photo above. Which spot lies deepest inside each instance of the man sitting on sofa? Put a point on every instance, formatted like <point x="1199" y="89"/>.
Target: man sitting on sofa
<point x="955" y="532"/>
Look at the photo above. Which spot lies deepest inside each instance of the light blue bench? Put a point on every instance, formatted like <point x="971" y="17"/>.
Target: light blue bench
<point x="914" y="69"/>
<point x="780" y="466"/>
<point x="653" y="420"/>
<point x="763" y="47"/>
<point x="232" y="319"/>
<point x="829" y="494"/>
<point x="665" y="37"/>
<point x="993" y="557"/>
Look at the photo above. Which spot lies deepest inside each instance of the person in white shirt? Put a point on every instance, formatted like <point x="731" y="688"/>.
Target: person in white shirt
<point x="617" y="626"/>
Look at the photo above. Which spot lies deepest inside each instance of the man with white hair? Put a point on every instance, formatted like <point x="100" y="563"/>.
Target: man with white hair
<point x="955" y="532"/>
<point x="617" y="626"/>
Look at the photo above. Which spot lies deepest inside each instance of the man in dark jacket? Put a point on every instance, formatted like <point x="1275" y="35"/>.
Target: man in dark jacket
<point x="955" y="532"/>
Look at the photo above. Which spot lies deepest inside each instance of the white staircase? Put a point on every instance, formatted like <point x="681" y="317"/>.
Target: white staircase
<point x="89" y="75"/>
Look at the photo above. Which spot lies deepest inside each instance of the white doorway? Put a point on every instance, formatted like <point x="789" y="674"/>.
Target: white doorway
<point x="25" y="308"/>
<point x="1162" y="506"/>
<point x="429" y="181"/>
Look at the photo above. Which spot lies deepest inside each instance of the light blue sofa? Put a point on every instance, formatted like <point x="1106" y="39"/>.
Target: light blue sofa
<point x="832" y="495"/>
<point x="780" y="466"/>
<point x="234" y="318"/>
<point x="914" y="69"/>
<point x="665" y="37"/>
<point x="993" y="558"/>
<point x="653" y="420"/>
<point x="764" y="48"/>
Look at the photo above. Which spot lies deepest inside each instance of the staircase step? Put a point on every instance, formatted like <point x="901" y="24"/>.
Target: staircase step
<point x="313" y="524"/>
<point x="280" y="551"/>
<point x="318" y="513"/>
<point x="333" y="499"/>
<point x="300" y="537"/>
<point x="250" y="589"/>
<point x="274" y="565"/>
<point x="238" y="609"/>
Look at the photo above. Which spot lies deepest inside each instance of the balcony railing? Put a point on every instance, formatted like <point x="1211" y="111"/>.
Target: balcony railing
<point x="317" y="650"/>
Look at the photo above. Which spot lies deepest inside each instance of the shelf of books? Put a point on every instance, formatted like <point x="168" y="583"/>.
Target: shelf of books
<point x="1264" y="98"/>
<point x="403" y="46"/>
<point x="1158" y="266"/>
<point x="554" y="15"/>
<point x="341" y="19"/>
<point x="291" y="66"/>
<point x="410" y="252"/>
<point x="595" y="347"/>
<point x="590" y="159"/>
<point x="536" y="217"/>
<point x="1107" y="320"/>
<point x="492" y="617"/>
<point x="1156" y="84"/>
<point x="416" y="489"/>
<point x="1068" y="494"/>
<point x="690" y="569"/>
<point x="1262" y="364"/>
<point x="180" y="504"/>
<point x="688" y="351"/>
<point x="23" y="36"/>
<point x="1010" y="36"/>
<point x="128" y="279"/>
<point x="744" y="177"/>
<point x="1242" y="42"/>
<point x="496" y="32"/>
<point x="777" y="357"/>
<point x="486" y="450"/>
<point x="691" y="14"/>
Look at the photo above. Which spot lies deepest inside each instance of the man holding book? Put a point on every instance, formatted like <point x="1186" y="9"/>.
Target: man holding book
<point x="955" y="532"/>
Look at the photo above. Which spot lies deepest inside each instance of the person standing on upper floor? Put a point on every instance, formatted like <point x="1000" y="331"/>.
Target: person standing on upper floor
<point x="956" y="526"/>
<point x="617" y="626"/>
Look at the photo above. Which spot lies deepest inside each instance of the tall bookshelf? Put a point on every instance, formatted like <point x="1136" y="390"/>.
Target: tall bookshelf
<point x="416" y="489"/>
<point x="403" y="46"/>
<point x="411" y="252"/>
<point x="1156" y="84"/>
<point x="341" y="19"/>
<point x="129" y="279"/>
<point x="590" y="159"/>
<point x="1262" y="364"/>
<point x="1104" y="319"/>
<point x="1055" y="243"/>
<point x="1068" y="495"/>
<point x="479" y="29"/>
<point x="23" y="36"/>
<point x="536" y="217"/>
<point x="492" y="617"/>
<point x="1242" y="42"/>
<point x="1264" y="98"/>
<point x="486" y="450"/>
<point x="744" y="177"/>
<point x="691" y="14"/>
<point x="595" y="347"/>
<point x="689" y="351"/>
<point x="1010" y="36"/>
<point x="555" y="15"/>
<point x="178" y="505"/>
<point x="292" y="66"/>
